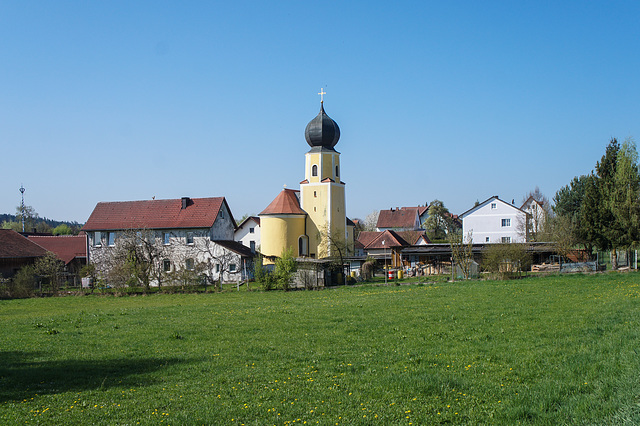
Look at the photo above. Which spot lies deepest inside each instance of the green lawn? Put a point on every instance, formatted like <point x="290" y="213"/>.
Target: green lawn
<point x="551" y="350"/>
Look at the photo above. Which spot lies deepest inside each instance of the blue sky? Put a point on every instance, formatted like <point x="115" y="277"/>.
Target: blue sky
<point x="455" y="100"/>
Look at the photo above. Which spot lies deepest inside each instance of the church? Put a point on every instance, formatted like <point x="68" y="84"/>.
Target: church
<point x="312" y="221"/>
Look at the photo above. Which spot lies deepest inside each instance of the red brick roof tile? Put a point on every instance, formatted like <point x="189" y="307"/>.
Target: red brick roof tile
<point x="66" y="247"/>
<point x="399" y="218"/>
<point x="155" y="214"/>
<point x="285" y="203"/>
<point x="14" y="245"/>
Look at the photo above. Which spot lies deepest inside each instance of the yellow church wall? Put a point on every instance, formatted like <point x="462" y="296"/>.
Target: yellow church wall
<point x="280" y="232"/>
<point x="325" y="207"/>
<point x="326" y="162"/>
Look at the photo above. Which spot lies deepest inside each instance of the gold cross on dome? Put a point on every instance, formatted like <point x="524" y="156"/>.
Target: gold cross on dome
<point x="322" y="93"/>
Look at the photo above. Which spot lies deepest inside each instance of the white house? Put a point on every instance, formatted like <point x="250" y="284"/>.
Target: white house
<point x="248" y="233"/>
<point x="537" y="215"/>
<point x="494" y="221"/>
<point x="173" y="236"/>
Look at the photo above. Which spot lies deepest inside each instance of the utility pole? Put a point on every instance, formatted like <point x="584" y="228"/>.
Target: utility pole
<point x="22" y="205"/>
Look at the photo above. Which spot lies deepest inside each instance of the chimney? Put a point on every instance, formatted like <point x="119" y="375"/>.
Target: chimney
<point x="185" y="202"/>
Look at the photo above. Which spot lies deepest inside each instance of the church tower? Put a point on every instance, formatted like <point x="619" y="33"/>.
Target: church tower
<point x="322" y="193"/>
<point x="311" y="222"/>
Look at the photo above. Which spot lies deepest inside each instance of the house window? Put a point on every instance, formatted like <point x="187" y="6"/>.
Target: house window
<point x="111" y="239"/>
<point x="252" y="230"/>
<point x="221" y="213"/>
<point x="232" y="267"/>
<point x="97" y="239"/>
<point x="166" y="238"/>
<point x="190" y="264"/>
<point x="506" y="239"/>
<point x="166" y="265"/>
<point x="506" y="222"/>
<point x="494" y="206"/>
<point x="486" y="239"/>
<point x="190" y="238"/>
<point x="337" y="171"/>
<point x="252" y="246"/>
<point x="217" y="268"/>
<point x="314" y="170"/>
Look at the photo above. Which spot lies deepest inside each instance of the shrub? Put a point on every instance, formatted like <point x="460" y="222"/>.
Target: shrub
<point x="285" y="267"/>
<point x="506" y="260"/>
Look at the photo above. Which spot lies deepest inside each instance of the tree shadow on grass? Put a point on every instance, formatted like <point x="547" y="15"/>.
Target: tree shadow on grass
<point x="24" y="374"/>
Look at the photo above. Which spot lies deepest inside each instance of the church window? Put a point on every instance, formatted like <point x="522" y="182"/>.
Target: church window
<point x="337" y="171"/>
<point x="303" y="246"/>
<point x="314" y="170"/>
<point x="315" y="194"/>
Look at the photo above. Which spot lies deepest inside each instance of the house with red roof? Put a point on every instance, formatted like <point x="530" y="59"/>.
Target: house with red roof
<point x="404" y="219"/>
<point x="71" y="249"/>
<point x="248" y="233"/>
<point x="184" y="234"/>
<point x="16" y="251"/>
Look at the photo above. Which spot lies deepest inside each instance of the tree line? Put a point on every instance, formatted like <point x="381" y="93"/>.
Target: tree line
<point x="601" y="209"/>
<point x="34" y="223"/>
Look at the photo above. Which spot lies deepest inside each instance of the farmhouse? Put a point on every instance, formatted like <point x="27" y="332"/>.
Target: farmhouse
<point x="172" y="236"/>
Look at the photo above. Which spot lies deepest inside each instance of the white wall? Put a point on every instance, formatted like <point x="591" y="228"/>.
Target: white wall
<point x="486" y="222"/>
<point x="244" y="236"/>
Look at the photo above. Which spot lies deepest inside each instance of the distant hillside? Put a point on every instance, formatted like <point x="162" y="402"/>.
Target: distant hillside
<point x="52" y="223"/>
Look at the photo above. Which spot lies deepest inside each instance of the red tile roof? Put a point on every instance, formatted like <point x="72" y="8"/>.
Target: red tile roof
<point x="399" y="218"/>
<point x="412" y="237"/>
<point x="285" y="203"/>
<point x="155" y="214"/>
<point x="365" y="237"/>
<point x="390" y="238"/>
<point x="66" y="247"/>
<point x="254" y="218"/>
<point x="14" y="245"/>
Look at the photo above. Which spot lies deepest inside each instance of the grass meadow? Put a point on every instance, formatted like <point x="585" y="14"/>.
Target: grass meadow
<point x="542" y="350"/>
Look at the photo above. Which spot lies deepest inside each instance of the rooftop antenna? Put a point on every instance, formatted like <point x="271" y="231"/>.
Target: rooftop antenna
<point x="22" y="205"/>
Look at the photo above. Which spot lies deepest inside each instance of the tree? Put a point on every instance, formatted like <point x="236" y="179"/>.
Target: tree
<point x="136" y="259"/>
<point x="626" y="195"/>
<point x="371" y="221"/>
<point x="462" y="251"/>
<point x="50" y="268"/>
<point x="439" y="222"/>
<point x="285" y="267"/>
<point x="62" y="229"/>
<point x="609" y="230"/>
<point x="532" y="227"/>
<point x="215" y="260"/>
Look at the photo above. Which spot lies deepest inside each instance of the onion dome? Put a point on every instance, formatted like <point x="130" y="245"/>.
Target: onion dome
<point x="322" y="131"/>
